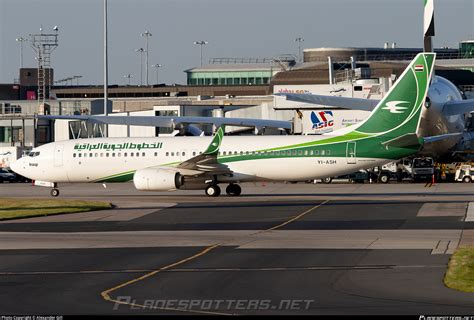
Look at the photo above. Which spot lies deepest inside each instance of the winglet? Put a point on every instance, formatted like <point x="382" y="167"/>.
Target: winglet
<point x="215" y="144"/>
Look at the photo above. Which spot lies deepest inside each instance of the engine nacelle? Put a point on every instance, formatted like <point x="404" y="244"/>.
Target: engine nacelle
<point x="155" y="179"/>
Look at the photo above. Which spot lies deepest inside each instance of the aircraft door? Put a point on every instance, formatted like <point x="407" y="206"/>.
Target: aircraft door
<point x="351" y="153"/>
<point x="58" y="155"/>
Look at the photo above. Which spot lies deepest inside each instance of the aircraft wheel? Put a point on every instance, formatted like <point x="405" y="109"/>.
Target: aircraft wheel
<point x="384" y="178"/>
<point x="54" y="192"/>
<point x="213" y="191"/>
<point x="327" y="180"/>
<point x="466" y="179"/>
<point x="233" y="190"/>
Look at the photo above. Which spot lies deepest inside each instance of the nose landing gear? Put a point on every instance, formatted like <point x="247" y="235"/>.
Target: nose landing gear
<point x="54" y="192"/>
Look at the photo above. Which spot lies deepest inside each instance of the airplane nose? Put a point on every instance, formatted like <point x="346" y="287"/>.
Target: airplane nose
<point x="17" y="166"/>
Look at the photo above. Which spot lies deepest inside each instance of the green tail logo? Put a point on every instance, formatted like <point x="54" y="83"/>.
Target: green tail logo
<point x="399" y="112"/>
<point x="215" y="144"/>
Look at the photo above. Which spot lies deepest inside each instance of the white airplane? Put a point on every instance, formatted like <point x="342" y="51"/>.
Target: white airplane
<point x="447" y="112"/>
<point x="161" y="164"/>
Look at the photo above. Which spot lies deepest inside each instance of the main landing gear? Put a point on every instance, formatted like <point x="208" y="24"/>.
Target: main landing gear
<point x="232" y="190"/>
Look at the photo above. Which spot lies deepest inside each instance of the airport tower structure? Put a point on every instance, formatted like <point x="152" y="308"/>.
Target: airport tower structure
<point x="44" y="44"/>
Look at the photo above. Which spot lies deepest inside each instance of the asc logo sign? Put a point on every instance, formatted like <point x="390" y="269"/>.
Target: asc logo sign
<point x="323" y="121"/>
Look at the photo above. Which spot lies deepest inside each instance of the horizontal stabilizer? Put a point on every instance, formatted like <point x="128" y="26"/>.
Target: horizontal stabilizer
<point x="329" y="101"/>
<point x="452" y="108"/>
<point x="442" y="137"/>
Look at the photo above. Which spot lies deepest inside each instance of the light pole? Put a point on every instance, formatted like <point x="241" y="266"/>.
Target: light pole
<point x="106" y="71"/>
<point x="299" y="40"/>
<point x="129" y="76"/>
<point x="156" y="66"/>
<point x="140" y="51"/>
<point x="146" y="34"/>
<point x="201" y="43"/>
<point x="21" y="40"/>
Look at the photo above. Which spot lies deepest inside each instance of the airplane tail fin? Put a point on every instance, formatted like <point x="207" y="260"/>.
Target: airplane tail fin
<point x="399" y="112"/>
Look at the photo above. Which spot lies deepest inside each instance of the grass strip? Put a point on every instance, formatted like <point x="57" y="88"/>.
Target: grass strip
<point x="27" y="208"/>
<point x="460" y="273"/>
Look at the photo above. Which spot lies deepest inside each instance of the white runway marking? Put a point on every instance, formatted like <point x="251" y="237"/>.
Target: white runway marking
<point x="470" y="212"/>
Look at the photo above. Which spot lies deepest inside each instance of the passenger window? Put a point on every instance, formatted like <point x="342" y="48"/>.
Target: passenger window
<point x="131" y="154"/>
<point x="125" y="154"/>
<point x="224" y="153"/>
<point x="328" y="152"/>
<point x="323" y="152"/>
<point x="143" y="154"/>
<point x="101" y="154"/>
<point x="311" y="152"/>
<point x="138" y="154"/>
<point x="80" y="155"/>
<point x="156" y="154"/>
<point x="167" y="154"/>
<point x="300" y="152"/>
<point x="96" y="155"/>
<point x="316" y="152"/>
<point x="183" y="154"/>
<point x="73" y="155"/>
<point x="294" y="152"/>
<point x="119" y="154"/>
<point x="194" y="153"/>
<point x="306" y="152"/>
<point x="107" y="154"/>
<point x="172" y="154"/>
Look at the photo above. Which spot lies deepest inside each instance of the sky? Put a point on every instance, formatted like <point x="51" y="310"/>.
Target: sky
<point x="233" y="28"/>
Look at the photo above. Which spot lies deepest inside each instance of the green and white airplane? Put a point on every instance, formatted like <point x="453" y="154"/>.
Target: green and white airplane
<point x="162" y="164"/>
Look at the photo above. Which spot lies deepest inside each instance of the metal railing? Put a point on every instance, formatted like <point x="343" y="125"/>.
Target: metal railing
<point x="282" y="58"/>
<point x="388" y="56"/>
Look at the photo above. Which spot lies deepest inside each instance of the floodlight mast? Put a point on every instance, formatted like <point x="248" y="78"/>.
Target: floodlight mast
<point x="146" y="34"/>
<point x="156" y="66"/>
<point x="201" y="43"/>
<point x="20" y="40"/>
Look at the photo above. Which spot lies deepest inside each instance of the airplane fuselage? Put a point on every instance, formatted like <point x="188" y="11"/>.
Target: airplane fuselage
<point x="248" y="157"/>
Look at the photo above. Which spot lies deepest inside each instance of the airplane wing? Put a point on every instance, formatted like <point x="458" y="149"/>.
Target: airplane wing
<point x="206" y="162"/>
<point x="162" y="121"/>
<point x="458" y="107"/>
<point x="329" y="102"/>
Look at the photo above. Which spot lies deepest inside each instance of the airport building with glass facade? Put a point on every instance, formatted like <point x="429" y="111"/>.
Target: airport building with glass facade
<point x="232" y="72"/>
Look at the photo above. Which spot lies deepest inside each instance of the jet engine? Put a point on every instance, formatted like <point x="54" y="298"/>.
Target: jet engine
<point x="156" y="179"/>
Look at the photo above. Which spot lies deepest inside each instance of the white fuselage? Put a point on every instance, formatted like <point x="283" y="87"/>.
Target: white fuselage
<point x="60" y="161"/>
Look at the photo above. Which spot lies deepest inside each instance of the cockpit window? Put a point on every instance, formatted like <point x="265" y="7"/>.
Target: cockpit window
<point x="34" y="154"/>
